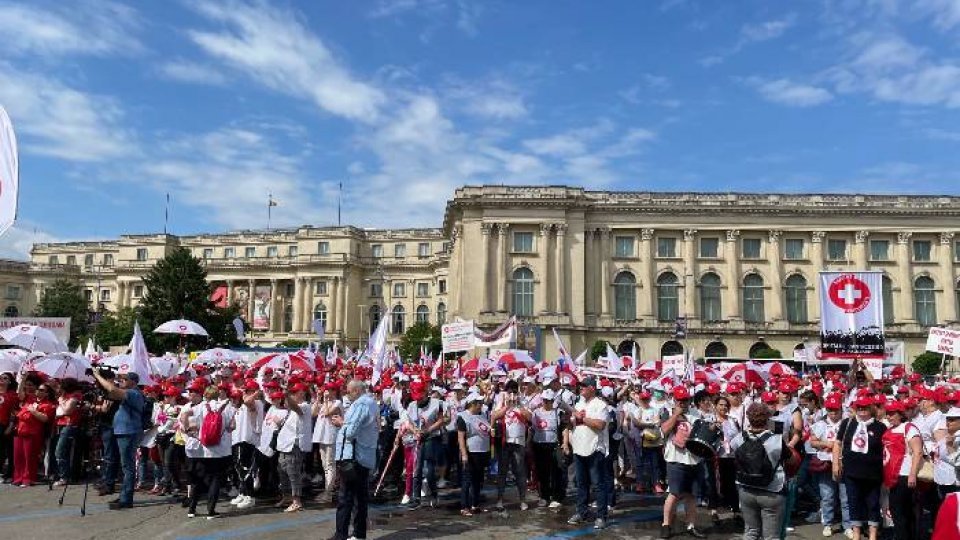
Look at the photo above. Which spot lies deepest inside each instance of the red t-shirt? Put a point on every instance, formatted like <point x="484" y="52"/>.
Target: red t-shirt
<point x="72" y="419"/>
<point x="27" y="423"/>
<point x="8" y="404"/>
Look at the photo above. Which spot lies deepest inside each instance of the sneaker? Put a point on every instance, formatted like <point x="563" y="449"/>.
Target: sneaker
<point x="435" y="502"/>
<point x="848" y="533"/>
<point x="692" y="531"/>
<point x="191" y="515"/>
<point x="405" y="499"/>
<point x="442" y="484"/>
<point x="575" y="519"/>
<point x="237" y="500"/>
<point x="542" y="503"/>
<point x="658" y="489"/>
<point x="664" y="532"/>
<point x="247" y="502"/>
<point x="213" y="515"/>
<point x="554" y="504"/>
<point x="414" y="505"/>
<point x="599" y="524"/>
<point x="524" y="506"/>
<point x="828" y="531"/>
<point x="813" y="517"/>
<point x="60" y="483"/>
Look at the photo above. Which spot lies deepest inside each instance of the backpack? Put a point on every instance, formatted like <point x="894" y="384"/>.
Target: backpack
<point x="754" y="468"/>
<point x="211" y="430"/>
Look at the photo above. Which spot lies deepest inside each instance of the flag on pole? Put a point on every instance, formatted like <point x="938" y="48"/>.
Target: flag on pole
<point x="851" y="315"/>
<point x="320" y="329"/>
<point x="139" y="355"/>
<point x="614" y="362"/>
<point x="376" y="350"/>
<point x="580" y="359"/>
<point x="564" y="355"/>
<point x="9" y="172"/>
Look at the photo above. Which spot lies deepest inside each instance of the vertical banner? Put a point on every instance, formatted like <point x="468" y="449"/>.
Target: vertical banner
<point x="261" y="307"/>
<point x="851" y="315"/>
<point x="9" y="173"/>
<point x="219" y="295"/>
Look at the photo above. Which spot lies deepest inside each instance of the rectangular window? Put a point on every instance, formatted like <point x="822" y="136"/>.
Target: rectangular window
<point x="709" y="248"/>
<point x="750" y="248"/>
<point x="423" y="249"/>
<point x="250" y="252"/>
<point x="442" y="286"/>
<point x="399" y="290"/>
<point x="272" y="251"/>
<point x="836" y="250"/>
<point x="666" y="247"/>
<point x="793" y="248"/>
<point x="141" y="254"/>
<point x="624" y="246"/>
<point x="523" y="242"/>
<point x="320" y="288"/>
<point x="105" y="295"/>
<point x="956" y="251"/>
<point x="88" y="295"/>
<point x="53" y="260"/>
<point x="323" y="248"/>
<point x="88" y="260"/>
<point x="72" y="260"/>
<point x="207" y="253"/>
<point x="138" y="291"/>
<point x="377" y="250"/>
<point x="108" y="259"/>
<point x="423" y="289"/>
<point x="399" y="250"/>
<point x="921" y="250"/>
<point x="879" y="250"/>
<point x="291" y="251"/>
<point x="376" y="290"/>
<point x="289" y="290"/>
<point x="13" y="292"/>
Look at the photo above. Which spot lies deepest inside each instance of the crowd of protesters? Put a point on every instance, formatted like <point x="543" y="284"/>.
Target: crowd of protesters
<point x="844" y="450"/>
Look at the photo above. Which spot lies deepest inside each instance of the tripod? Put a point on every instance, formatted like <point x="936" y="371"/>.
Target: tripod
<point x="92" y="465"/>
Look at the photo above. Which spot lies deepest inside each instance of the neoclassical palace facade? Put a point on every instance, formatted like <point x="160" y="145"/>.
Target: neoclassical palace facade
<point x="740" y="269"/>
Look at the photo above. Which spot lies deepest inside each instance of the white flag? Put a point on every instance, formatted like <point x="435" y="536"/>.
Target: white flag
<point x="9" y="172"/>
<point x="851" y="315"/>
<point x="140" y="358"/>
<point x="614" y="362"/>
<point x="320" y="329"/>
<point x="377" y="348"/>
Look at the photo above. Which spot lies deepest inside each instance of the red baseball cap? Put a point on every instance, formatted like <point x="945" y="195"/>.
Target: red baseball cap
<point x="171" y="391"/>
<point x="865" y="401"/>
<point x="894" y="406"/>
<point x="681" y="393"/>
<point x="250" y="384"/>
<point x="769" y="397"/>
<point x="713" y="388"/>
<point x="276" y="395"/>
<point x="833" y="403"/>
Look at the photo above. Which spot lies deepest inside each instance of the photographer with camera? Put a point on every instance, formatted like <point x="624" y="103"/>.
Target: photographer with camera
<point x="127" y="427"/>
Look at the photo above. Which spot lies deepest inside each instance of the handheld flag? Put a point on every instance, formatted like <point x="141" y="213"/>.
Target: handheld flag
<point x="9" y="173"/>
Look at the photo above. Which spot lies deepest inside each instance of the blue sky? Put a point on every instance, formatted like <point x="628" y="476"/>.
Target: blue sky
<point x="222" y="103"/>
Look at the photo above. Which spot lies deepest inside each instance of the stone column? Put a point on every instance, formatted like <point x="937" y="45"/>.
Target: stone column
<point x="306" y="305"/>
<point x="333" y="307"/>
<point x="297" y="302"/>
<point x="560" y="258"/>
<point x="275" y="313"/>
<point x="121" y="293"/>
<point x="503" y="266"/>
<point x="546" y="291"/>
<point x="732" y="253"/>
<point x="342" y="304"/>
<point x="589" y="273"/>
<point x="230" y="292"/>
<point x="860" y="258"/>
<point x="485" y="230"/>
<point x="251" y="288"/>
<point x="776" y="285"/>
<point x="689" y="273"/>
<point x="816" y="257"/>
<point x="946" y="306"/>
<point x="605" y="268"/>
<point x="647" y="296"/>
<point x="904" y="300"/>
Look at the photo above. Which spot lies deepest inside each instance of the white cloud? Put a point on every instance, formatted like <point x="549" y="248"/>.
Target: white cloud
<point x="786" y="92"/>
<point x="767" y="30"/>
<point x="56" y="120"/>
<point x="945" y="13"/>
<point x="18" y="240"/>
<point x="492" y="98"/>
<point x="191" y="72"/>
<point x="274" y="48"/>
<point x="91" y="27"/>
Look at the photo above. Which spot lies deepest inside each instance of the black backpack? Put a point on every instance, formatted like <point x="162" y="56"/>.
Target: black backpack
<point x="754" y="468"/>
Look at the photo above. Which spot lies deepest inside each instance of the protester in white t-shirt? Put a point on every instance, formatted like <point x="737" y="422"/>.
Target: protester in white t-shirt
<point x="325" y="437"/>
<point x="833" y="494"/>
<point x="294" y="435"/>
<point x="214" y="458"/>
<point x="681" y="463"/>
<point x="246" y="435"/>
<point x="589" y="441"/>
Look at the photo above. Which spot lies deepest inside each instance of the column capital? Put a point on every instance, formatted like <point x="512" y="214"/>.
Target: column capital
<point x="486" y="228"/>
<point x="946" y="237"/>
<point x="604" y="232"/>
<point x="732" y="235"/>
<point x="861" y="236"/>
<point x="646" y="234"/>
<point x="817" y="236"/>
<point x="561" y="228"/>
<point x="904" y="237"/>
<point x="503" y="228"/>
<point x="544" y="229"/>
<point x="689" y="234"/>
<point x="774" y="236"/>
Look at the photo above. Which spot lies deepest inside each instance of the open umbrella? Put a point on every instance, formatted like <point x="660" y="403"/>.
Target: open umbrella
<point x="217" y="356"/>
<point x="64" y="365"/>
<point x="182" y="327"/>
<point x="123" y="363"/>
<point x="284" y="361"/>
<point x="747" y="372"/>
<point x="33" y="338"/>
<point x="11" y="359"/>
<point x="778" y="369"/>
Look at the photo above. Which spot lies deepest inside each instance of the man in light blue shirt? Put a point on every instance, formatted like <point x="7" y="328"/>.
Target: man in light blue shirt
<point x="357" y="440"/>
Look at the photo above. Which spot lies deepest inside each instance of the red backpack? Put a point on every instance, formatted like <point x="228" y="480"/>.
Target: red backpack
<point x="212" y="428"/>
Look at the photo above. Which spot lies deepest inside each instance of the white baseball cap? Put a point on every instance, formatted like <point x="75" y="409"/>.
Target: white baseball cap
<point x="954" y="412"/>
<point x="473" y="397"/>
<point x="606" y="391"/>
<point x="548" y="394"/>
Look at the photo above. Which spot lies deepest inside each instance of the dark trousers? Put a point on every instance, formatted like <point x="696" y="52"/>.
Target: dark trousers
<point x="353" y="492"/>
<point x="6" y="452"/>
<point x="589" y="472"/>
<point x="547" y="471"/>
<point x="111" y="457"/>
<point x="863" y="496"/>
<point x="245" y="465"/>
<point x="427" y="459"/>
<point x="173" y="458"/>
<point x="471" y="478"/>
<point x="608" y="465"/>
<point x="209" y="472"/>
<point x="727" y="471"/>
<point x="454" y="464"/>
<point x="903" y="510"/>
<point x="513" y="457"/>
<point x="64" y="450"/>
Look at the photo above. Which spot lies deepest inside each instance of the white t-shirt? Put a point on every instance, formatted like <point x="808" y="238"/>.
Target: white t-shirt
<point x="324" y="432"/>
<point x="516" y="426"/>
<point x="584" y="440"/>
<point x="295" y="430"/>
<point x="248" y="423"/>
<point x="546" y="425"/>
<point x="223" y="448"/>
<point x="673" y="453"/>
<point x="927" y="425"/>
<point x="909" y="431"/>
<point x="452" y="406"/>
<point x="826" y="431"/>
<point x="272" y="420"/>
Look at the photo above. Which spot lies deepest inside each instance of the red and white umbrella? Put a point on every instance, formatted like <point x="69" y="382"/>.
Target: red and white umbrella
<point x="651" y="366"/>
<point x="33" y="338"/>
<point x="11" y="359"/>
<point x="705" y="375"/>
<point x="514" y="359"/>
<point x="217" y="356"/>
<point x="182" y="327"/>
<point x="747" y="372"/>
<point x="778" y="369"/>
<point x="64" y="365"/>
<point x="284" y="361"/>
<point x="124" y="363"/>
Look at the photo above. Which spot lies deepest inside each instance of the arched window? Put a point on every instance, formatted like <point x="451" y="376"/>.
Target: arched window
<point x="671" y="348"/>
<point x="668" y="297"/>
<point x="753" y="299"/>
<point x="320" y="314"/>
<point x="757" y="347"/>
<point x="441" y="313"/>
<point x="627" y="347"/>
<point x="288" y="318"/>
<point x="710" y="298"/>
<point x="423" y="314"/>
<point x="374" y="317"/>
<point x="886" y="286"/>
<point x="625" y="297"/>
<point x="715" y="349"/>
<point x="925" y="303"/>
<point x="11" y="311"/>
<point x="796" y="293"/>
<point x="523" y="292"/>
<point x="398" y="315"/>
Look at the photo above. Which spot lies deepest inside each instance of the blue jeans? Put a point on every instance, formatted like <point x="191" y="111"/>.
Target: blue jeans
<point x="128" y="445"/>
<point x="427" y="459"/>
<point x="589" y="470"/>
<point x="65" y="443"/>
<point x="111" y="457"/>
<point x="864" y="498"/>
<point x="830" y="493"/>
<point x="649" y="466"/>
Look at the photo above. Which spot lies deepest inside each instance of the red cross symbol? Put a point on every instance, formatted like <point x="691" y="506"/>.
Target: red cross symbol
<point x="849" y="293"/>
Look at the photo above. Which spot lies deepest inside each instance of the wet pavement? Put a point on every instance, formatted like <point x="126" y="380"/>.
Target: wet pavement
<point x="34" y="513"/>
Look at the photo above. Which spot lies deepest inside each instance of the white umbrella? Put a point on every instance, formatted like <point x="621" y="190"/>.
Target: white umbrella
<point x="11" y="359"/>
<point x="33" y="338"/>
<point x="217" y="356"/>
<point x="182" y="327"/>
<point x="64" y="365"/>
<point x="165" y="367"/>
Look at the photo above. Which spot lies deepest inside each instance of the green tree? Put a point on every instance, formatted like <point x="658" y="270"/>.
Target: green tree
<point x="414" y="338"/>
<point x="295" y="343"/>
<point x="927" y="363"/>
<point x="598" y="349"/>
<point x="177" y="288"/>
<point x="116" y="328"/>
<point x="768" y="353"/>
<point x="64" y="298"/>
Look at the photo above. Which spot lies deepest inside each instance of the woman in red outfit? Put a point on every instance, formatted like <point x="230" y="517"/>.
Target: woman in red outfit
<point x="8" y="408"/>
<point x="37" y="409"/>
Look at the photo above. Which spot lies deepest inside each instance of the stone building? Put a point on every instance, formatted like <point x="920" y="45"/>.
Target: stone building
<point x="622" y="266"/>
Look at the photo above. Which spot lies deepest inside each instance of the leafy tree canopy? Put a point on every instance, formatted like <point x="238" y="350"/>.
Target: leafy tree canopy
<point x="64" y="298"/>
<point x="927" y="363"/>
<point x="420" y="334"/>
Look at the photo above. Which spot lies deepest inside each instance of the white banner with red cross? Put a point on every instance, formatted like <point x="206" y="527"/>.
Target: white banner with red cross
<point x="851" y="315"/>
